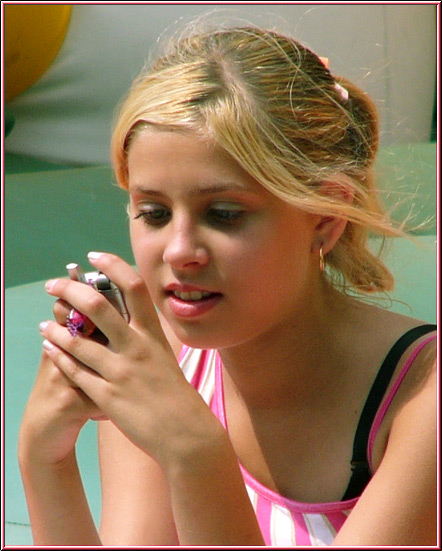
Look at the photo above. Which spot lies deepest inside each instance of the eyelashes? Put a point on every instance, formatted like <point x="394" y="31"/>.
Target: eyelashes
<point x="221" y="214"/>
<point x="156" y="216"/>
<point x="226" y="214"/>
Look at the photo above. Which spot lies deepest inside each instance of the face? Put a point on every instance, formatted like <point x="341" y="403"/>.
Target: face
<point x="225" y="260"/>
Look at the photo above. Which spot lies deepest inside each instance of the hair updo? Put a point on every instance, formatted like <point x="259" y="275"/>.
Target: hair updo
<point x="274" y="106"/>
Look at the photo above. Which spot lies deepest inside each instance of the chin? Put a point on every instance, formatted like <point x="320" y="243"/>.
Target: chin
<point x="208" y="340"/>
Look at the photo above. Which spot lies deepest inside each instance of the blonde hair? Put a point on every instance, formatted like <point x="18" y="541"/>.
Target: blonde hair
<point x="274" y="106"/>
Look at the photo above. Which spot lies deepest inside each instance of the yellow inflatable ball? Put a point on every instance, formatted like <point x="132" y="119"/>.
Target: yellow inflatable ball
<point x="33" y="36"/>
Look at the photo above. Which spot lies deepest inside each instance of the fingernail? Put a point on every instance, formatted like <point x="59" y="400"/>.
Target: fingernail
<point x="47" y="345"/>
<point x="94" y="255"/>
<point x="50" y="284"/>
<point x="43" y="325"/>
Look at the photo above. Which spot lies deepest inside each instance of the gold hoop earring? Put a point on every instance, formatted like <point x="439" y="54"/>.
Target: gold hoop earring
<point x="321" y="260"/>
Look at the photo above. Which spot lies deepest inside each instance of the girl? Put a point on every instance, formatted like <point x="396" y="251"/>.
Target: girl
<point x="254" y="398"/>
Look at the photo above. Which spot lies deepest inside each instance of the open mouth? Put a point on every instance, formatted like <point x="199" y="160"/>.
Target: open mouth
<point x="193" y="295"/>
<point x="191" y="303"/>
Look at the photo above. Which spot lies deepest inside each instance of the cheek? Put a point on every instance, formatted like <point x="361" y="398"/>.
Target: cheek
<point x="136" y="243"/>
<point x="251" y="267"/>
<point x="135" y="235"/>
<point x="271" y="270"/>
<point x="265" y="260"/>
<point x="145" y="251"/>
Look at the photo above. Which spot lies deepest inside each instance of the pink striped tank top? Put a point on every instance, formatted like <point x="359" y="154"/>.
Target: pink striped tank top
<point x="283" y="522"/>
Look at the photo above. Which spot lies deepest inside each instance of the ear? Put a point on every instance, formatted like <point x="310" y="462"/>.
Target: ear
<point x="329" y="229"/>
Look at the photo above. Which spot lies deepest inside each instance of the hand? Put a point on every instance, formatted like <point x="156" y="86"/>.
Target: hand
<point x="55" y="413"/>
<point x="62" y="311"/>
<point x="135" y="380"/>
<point x="57" y="409"/>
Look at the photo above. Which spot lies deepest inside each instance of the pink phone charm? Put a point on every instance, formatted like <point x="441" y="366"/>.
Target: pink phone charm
<point x="78" y="323"/>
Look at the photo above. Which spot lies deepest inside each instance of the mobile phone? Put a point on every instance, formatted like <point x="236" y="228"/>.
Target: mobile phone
<point x="77" y="322"/>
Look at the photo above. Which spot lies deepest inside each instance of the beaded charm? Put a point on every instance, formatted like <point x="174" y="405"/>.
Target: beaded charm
<point x="78" y="323"/>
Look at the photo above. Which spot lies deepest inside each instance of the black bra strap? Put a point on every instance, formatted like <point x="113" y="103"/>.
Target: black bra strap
<point x="359" y="464"/>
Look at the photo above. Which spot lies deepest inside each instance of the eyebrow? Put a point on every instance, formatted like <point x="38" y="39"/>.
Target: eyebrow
<point x="209" y="190"/>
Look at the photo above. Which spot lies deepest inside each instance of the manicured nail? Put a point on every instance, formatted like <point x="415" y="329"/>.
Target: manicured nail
<point x="50" y="284"/>
<point x="47" y="345"/>
<point x="94" y="255"/>
<point x="43" y="325"/>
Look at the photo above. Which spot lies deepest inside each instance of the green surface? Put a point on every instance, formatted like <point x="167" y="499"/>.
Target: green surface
<point x="19" y="164"/>
<point x="25" y="307"/>
<point x="407" y="178"/>
<point x="56" y="217"/>
<point x="413" y="264"/>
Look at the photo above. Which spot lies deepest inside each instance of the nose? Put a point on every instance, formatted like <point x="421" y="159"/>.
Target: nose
<point x="184" y="249"/>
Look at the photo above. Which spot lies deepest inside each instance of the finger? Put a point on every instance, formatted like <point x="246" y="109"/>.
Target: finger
<point x="81" y="350"/>
<point x="61" y="311"/>
<point x="85" y="380"/>
<point x="92" y="304"/>
<point x="47" y="372"/>
<point x="133" y="287"/>
<point x="53" y="381"/>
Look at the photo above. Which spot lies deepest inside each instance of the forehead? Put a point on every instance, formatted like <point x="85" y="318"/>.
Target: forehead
<point x="168" y="156"/>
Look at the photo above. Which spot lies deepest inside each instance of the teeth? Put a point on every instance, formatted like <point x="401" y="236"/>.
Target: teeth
<point x="193" y="295"/>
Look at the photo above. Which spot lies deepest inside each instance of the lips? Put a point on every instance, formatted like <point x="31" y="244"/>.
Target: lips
<point x="189" y="292"/>
<point x="192" y="295"/>
<point x="188" y="301"/>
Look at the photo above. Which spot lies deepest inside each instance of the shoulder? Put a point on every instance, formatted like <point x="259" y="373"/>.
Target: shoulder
<point x="380" y="329"/>
<point x="412" y="424"/>
<point x="410" y="345"/>
<point x="418" y="367"/>
<point x="410" y="402"/>
<point x="399" y="505"/>
<point x="377" y="336"/>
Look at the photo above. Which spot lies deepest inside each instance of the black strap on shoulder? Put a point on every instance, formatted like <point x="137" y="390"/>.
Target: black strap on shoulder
<point x="359" y="464"/>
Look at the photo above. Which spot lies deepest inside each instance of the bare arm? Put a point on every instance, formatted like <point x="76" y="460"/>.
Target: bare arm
<point x="136" y="507"/>
<point x="57" y="504"/>
<point x="204" y="502"/>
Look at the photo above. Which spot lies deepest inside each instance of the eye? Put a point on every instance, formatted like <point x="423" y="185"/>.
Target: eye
<point x="226" y="213"/>
<point x="154" y="215"/>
